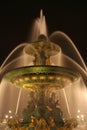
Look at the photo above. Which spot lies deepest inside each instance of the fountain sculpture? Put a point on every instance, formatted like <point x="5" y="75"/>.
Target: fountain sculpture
<point x="43" y="84"/>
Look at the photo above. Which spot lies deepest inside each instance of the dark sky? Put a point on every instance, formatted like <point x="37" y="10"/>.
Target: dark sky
<point x="16" y="19"/>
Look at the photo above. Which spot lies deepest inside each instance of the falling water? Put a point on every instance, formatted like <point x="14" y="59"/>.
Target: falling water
<point x="19" y="96"/>
<point x="17" y="51"/>
<point x="67" y="105"/>
<point x="69" y="57"/>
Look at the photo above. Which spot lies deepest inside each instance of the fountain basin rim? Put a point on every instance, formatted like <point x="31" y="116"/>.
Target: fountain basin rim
<point x="43" y="74"/>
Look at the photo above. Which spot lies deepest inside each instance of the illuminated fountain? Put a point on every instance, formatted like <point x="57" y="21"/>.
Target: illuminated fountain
<point x="43" y="84"/>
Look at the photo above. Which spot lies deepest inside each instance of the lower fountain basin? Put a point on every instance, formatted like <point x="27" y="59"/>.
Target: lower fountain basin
<point x="34" y="76"/>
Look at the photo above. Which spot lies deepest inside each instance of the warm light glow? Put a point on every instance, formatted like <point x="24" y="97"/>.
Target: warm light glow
<point x="10" y="111"/>
<point x="42" y="77"/>
<point x="21" y="80"/>
<point x="82" y="116"/>
<point x="26" y="78"/>
<point x="16" y="81"/>
<point x="6" y="116"/>
<point x="34" y="77"/>
<point x="11" y="117"/>
<point x="58" y="77"/>
<point x="78" y="116"/>
<point x="78" y="111"/>
<point x="82" y="119"/>
<point x="51" y="77"/>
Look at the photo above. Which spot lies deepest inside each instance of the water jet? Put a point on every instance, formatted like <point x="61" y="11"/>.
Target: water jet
<point x="43" y="84"/>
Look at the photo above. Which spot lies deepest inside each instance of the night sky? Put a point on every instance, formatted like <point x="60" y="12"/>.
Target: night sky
<point x="16" y="20"/>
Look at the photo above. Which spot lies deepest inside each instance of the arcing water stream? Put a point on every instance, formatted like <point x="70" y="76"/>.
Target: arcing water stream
<point x="61" y="88"/>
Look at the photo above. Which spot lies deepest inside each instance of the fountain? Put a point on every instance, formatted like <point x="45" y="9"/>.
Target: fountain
<point x="43" y="84"/>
